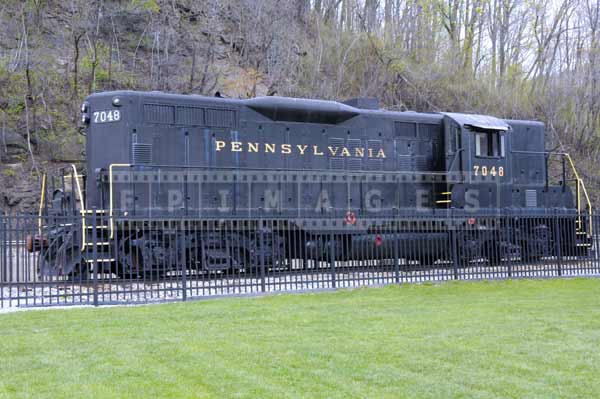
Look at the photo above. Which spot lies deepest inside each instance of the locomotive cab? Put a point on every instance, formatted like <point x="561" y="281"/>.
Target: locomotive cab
<point x="502" y="164"/>
<point x="477" y="160"/>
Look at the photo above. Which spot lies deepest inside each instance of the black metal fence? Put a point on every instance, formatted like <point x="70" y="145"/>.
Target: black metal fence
<point x="94" y="259"/>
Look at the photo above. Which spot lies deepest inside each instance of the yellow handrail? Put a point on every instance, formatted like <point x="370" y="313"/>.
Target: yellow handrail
<point x="82" y="210"/>
<point x="581" y="188"/>
<point x="41" y="210"/>
<point x="110" y="190"/>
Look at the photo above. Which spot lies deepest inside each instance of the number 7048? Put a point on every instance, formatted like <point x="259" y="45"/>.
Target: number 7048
<point x="107" y="116"/>
<point x="485" y="171"/>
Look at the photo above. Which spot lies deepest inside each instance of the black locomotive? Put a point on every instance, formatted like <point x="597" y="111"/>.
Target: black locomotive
<point x="322" y="169"/>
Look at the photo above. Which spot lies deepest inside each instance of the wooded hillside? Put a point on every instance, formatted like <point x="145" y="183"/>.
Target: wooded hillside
<point x="511" y="58"/>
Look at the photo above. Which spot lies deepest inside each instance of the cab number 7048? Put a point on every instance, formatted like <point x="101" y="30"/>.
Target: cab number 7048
<point x="106" y="116"/>
<point x="484" y="171"/>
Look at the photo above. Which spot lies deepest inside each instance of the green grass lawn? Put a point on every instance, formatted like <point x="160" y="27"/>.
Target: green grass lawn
<point x="512" y="339"/>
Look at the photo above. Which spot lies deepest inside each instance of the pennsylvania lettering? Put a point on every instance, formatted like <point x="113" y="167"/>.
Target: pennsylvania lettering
<point x="301" y="149"/>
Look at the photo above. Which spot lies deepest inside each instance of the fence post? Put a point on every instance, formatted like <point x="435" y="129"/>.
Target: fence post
<point x="94" y="252"/>
<point x="454" y="248"/>
<point x="557" y="243"/>
<point x="509" y="228"/>
<point x="396" y="258"/>
<point x="261" y="248"/>
<point x="183" y="264"/>
<point x="3" y="257"/>
<point x="332" y="258"/>
<point x="9" y="237"/>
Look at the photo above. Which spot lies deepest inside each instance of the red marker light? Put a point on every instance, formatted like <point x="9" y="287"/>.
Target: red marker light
<point x="350" y="217"/>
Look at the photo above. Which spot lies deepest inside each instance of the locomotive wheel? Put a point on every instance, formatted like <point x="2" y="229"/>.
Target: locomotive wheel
<point x="273" y="252"/>
<point x="538" y="243"/>
<point x="70" y="263"/>
<point x="470" y="249"/>
<point x="61" y="258"/>
<point x="131" y="265"/>
<point x="530" y="253"/>
<point x="243" y="261"/>
<point x="492" y="253"/>
<point x="279" y="259"/>
<point x="529" y="256"/>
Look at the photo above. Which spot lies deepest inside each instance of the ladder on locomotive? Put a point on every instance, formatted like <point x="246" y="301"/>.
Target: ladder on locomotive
<point x="72" y="186"/>
<point x="444" y="198"/>
<point x="95" y="224"/>
<point x="97" y="236"/>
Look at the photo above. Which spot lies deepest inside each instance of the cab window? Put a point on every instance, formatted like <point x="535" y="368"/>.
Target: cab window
<point x="490" y="144"/>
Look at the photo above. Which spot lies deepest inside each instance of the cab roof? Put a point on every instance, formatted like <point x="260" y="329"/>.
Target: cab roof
<point x="475" y="121"/>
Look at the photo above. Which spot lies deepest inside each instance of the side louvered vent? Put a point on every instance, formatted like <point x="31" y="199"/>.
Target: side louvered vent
<point x="404" y="163"/>
<point x="354" y="164"/>
<point x="355" y="147"/>
<point x="191" y="116"/>
<point x="405" y="129"/>
<point x="141" y="153"/>
<point x="374" y="146"/>
<point x="428" y="131"/>
<point x="356" y="150"/>
<point x="336" y="161"/>
<point x="337" y="144"/>
<point x="421" y="163"/>
<point x="220" y="118"/>
<point x="530" y="198"/>
<point x="159" y="113"/>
